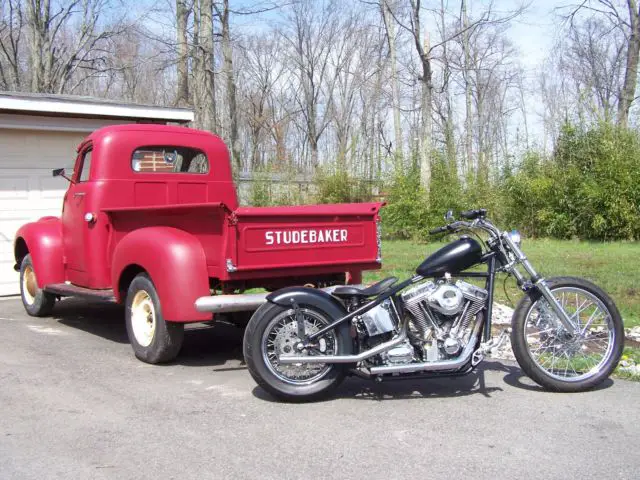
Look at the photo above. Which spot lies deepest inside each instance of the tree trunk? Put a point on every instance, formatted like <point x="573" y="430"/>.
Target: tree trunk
<point x="449" y="134"/>
<point x="395" y="90"/>
<point x="628" y="92"/>
<point x="426" y="98"/>
<point x="182" y="18"/>
<point x="227" y="54"/>
<point x="204" y="99"/>
<point x="38" y="20"/>
<point x="468" y="123"/>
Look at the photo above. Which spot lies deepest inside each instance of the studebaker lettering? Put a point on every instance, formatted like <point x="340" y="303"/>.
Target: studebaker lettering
<point x="294" y="237"/>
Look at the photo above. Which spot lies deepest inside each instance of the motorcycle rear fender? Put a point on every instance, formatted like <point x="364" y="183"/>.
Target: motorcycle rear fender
<point x="308" y="296"/>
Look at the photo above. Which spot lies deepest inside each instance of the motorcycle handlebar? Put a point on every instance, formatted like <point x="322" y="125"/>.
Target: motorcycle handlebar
<point x="438" y="230"/>
<point x="473" y="214"/>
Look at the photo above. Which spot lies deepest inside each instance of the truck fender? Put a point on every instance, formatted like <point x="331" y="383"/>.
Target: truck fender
<point x="308" y="296"/>
<point x="43" y="240"/>
<point x="176" y="263"/>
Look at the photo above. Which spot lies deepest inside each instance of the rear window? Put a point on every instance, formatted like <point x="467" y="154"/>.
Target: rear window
<point x="169" y="160"/>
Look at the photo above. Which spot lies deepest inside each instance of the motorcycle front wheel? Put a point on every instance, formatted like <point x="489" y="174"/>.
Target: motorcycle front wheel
<point x="273" y="331"/>
<point x="560" y="361"/>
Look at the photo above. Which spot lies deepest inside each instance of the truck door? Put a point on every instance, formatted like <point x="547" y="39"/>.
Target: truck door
<point x="76" y="231"/>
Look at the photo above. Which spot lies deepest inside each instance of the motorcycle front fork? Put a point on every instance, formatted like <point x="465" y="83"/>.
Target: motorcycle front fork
<point x="561" y="318"/>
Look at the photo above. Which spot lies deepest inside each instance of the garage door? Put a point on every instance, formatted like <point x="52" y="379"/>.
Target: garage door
<point x="27" y="189"/>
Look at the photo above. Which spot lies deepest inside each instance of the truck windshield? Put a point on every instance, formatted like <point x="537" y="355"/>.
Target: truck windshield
<point x="169" y="159"/>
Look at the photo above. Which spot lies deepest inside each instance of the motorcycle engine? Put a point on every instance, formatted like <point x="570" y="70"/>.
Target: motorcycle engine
<point x="440" y="314"/>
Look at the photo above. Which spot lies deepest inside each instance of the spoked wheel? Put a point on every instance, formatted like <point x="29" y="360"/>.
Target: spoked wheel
<point x="557" y="359"/>
<point x="274" y="331"/>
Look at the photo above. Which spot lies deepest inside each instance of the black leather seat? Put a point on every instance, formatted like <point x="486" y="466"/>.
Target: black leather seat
<point x="371" y="291"/>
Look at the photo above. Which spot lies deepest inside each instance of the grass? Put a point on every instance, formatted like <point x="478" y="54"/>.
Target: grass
<point x="613" y="266"/>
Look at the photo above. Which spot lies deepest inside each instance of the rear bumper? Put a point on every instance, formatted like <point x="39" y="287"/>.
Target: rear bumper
<point x="244" y="302"/>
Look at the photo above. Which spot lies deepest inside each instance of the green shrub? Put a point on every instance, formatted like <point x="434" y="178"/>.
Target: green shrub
<point x="339" y="187"/>
<point x="260" y="193"/>
<point x="589" y="188"/>
<point x="406" y="213"/>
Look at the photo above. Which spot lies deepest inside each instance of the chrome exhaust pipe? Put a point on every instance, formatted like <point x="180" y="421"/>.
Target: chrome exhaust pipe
<point x="231" y="303"/>
<point x="289" y="359"/>
<point x="243" y="302"/>
<point x="442" y="365"/>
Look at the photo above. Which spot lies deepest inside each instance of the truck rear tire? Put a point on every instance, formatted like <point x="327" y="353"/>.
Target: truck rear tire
<point x="36" y="301"/>
<point x="154" y="340"/>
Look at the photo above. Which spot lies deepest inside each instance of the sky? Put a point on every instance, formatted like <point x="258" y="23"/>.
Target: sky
<point x="536" y="31"/>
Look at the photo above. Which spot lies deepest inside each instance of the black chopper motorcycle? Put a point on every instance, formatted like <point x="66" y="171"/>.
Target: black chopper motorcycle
<point x="566" y="333"/>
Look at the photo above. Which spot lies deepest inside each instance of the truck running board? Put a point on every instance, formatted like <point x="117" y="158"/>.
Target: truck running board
<point x="69" y="290"/>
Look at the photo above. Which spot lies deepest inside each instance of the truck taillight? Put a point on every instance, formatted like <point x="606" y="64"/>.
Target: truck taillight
<point x="379" y="239"/>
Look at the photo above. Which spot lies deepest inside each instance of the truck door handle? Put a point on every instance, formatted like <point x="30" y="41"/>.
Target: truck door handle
<point x="79" y="194"/>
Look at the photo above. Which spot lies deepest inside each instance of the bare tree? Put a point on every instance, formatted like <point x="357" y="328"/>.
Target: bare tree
<point x="56" y="56"/>
<point x="629" y="86"/>
<point x="203" y="70"/>
<point x="593" y="57"/>
<point x="11" y="33"/>
<point x="389" y="25"/>
<point x="231" y="102"/>
<point x="183" y="12"/>
<point x="626" y="18"/>
<point x="313" y="29"/>
<point x="468" y="122"/>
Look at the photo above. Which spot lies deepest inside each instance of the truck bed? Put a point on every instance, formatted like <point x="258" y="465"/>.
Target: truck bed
<point x="267" y="242"/>
<point x="326" y="238"/>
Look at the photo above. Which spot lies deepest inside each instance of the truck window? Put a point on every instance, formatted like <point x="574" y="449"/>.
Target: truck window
<point x="85" y="167"/>
<point x="169" y="159"/>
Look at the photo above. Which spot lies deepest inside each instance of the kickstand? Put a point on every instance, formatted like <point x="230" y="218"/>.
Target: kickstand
<point x="493" y="344"/>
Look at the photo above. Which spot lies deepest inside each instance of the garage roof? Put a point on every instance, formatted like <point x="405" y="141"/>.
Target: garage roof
<point x="88" y="107"/>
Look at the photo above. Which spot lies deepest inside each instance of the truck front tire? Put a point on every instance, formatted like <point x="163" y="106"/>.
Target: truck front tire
<point x="36" y="301"/>
<point x="153" y="339"/>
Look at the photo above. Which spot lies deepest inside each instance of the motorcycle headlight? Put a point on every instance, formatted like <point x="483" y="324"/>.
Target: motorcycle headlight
<point x="515" y="237"/>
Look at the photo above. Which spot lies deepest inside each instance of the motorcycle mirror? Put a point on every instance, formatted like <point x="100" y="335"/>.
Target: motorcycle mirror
<point x="449" y="216"/>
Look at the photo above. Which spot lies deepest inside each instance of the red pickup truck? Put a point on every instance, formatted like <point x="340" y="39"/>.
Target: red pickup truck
<point x="151" y="220"/>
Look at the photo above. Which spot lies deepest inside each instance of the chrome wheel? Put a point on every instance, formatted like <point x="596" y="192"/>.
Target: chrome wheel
<point x="29" y="285"/>
<point x="565" y="357"/>
<point x="280" y="338"/>
<point x="143" y="318"/>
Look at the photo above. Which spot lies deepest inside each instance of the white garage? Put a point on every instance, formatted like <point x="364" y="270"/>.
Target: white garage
<point x="39" y="133"/>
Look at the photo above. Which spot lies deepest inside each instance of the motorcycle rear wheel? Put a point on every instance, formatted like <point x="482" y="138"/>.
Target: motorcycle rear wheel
<point x="272" y="331"/>
<point x="555" y="360"/>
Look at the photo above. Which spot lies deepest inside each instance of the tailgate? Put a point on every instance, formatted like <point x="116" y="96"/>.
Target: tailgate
<point x="337" y="237"/>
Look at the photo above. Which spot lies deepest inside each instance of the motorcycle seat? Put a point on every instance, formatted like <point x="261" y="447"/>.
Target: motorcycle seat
<point x="370" y="291"/>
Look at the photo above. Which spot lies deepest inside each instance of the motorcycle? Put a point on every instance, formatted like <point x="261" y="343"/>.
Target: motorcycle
<point x="566" y="332"/>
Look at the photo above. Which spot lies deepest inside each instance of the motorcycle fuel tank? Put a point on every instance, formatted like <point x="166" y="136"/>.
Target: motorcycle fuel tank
<point x="452" y="258"/>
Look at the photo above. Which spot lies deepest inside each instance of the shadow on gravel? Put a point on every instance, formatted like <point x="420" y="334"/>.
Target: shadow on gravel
<point x="473" y="383"/>
<point x="102" y="319"/>
<point x="406" y="389"/>
<point x="204" y="345"/>
<point x="214" y="345"/>
<point x="517" y="379"/>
